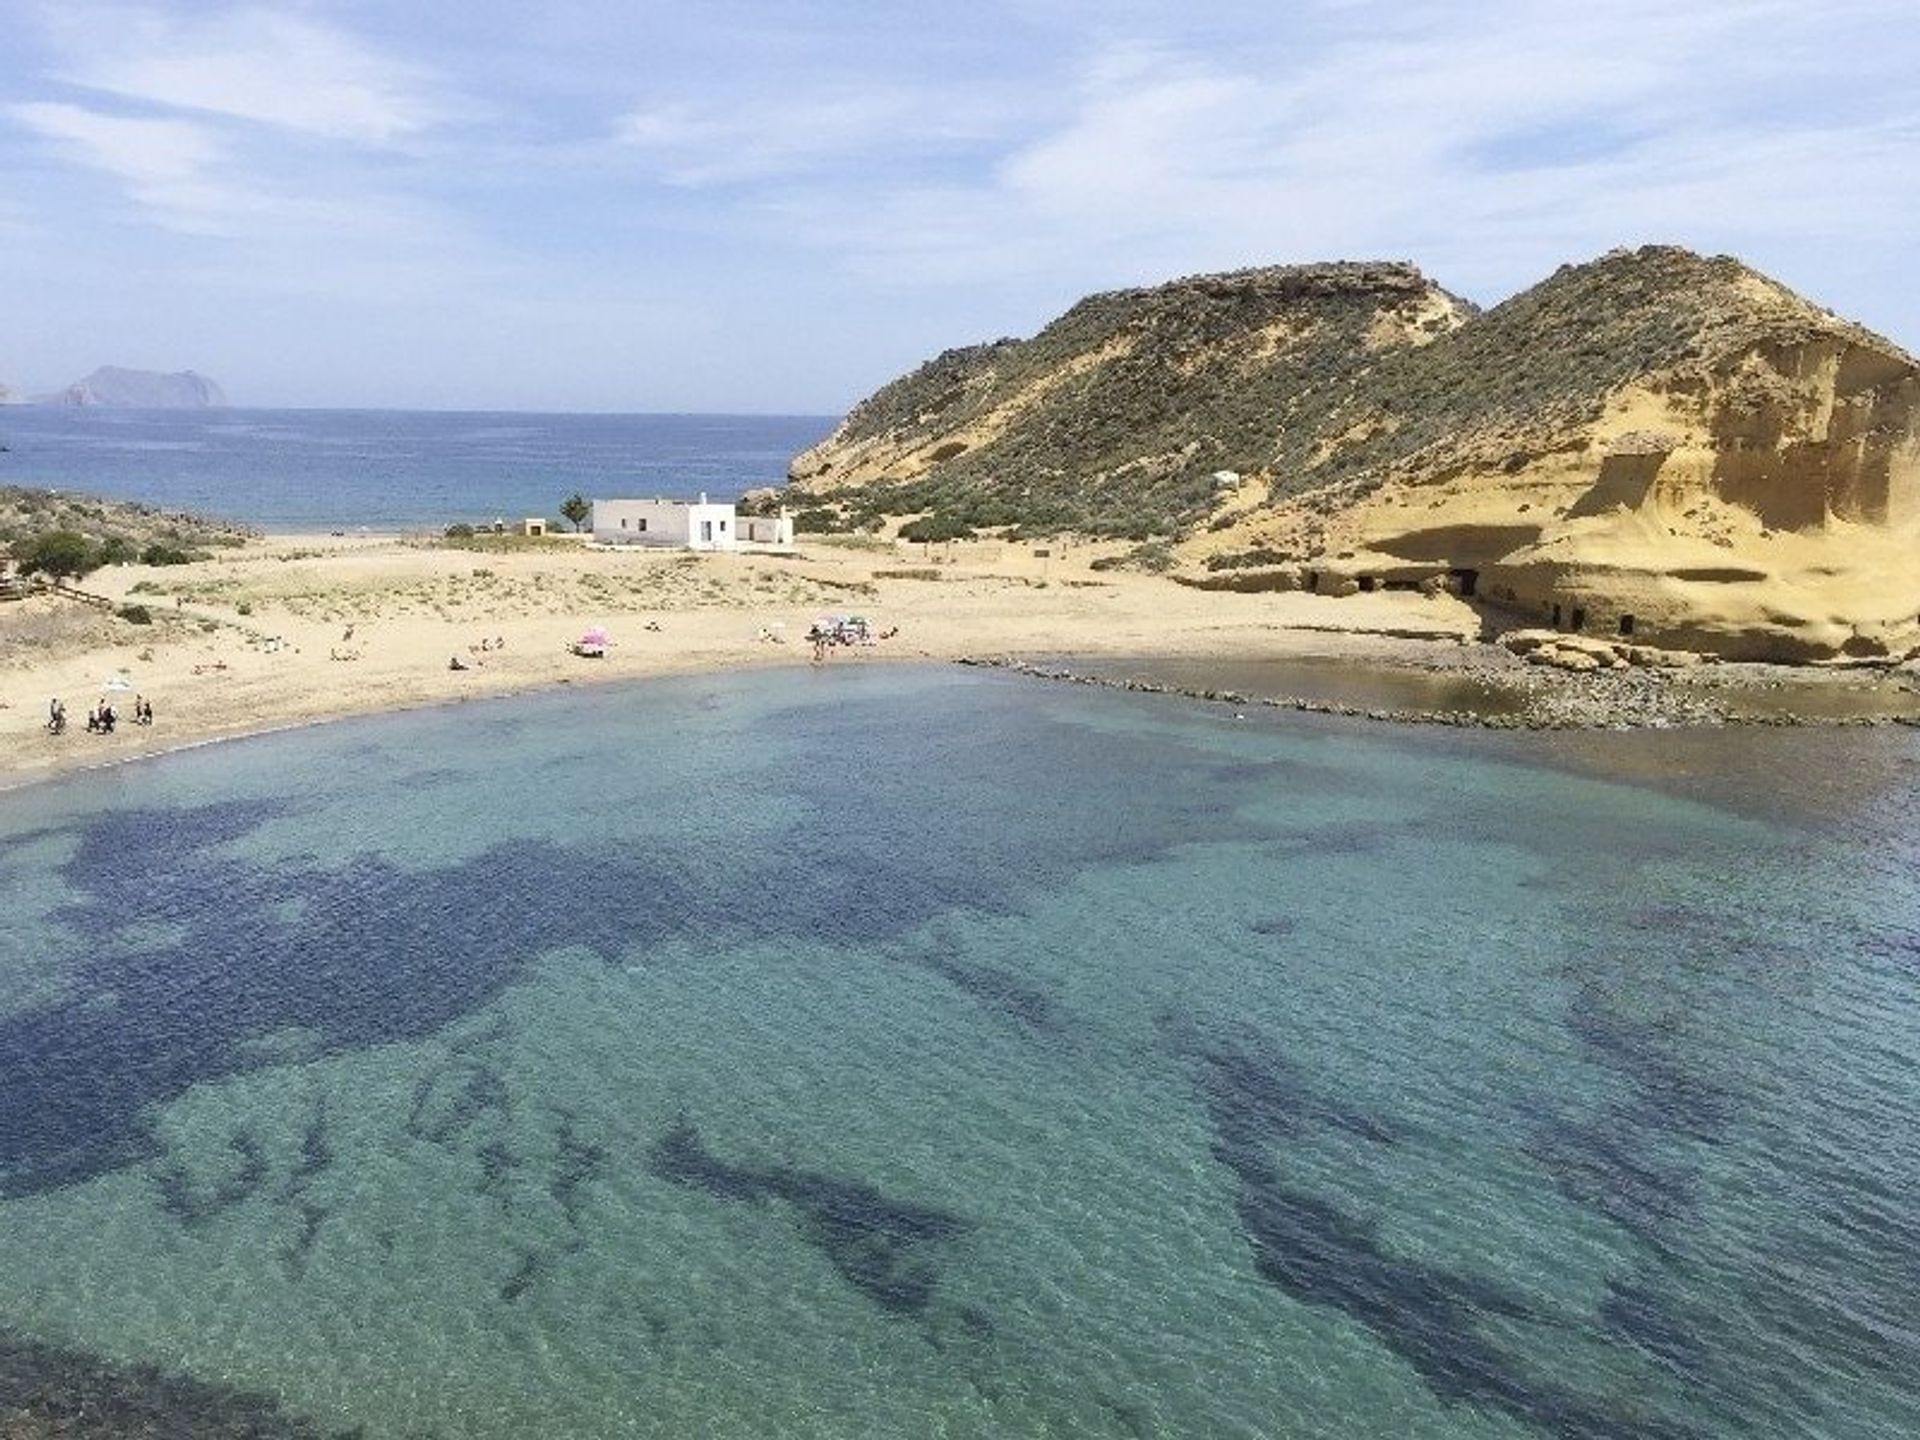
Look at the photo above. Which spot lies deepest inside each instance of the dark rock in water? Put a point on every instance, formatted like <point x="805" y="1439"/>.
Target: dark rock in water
<point x="531" y="1267"/>
<point x="1643" y="1316"/>
<point x="1430" y="1315"/>
<point x="294" y="1258"/>
<point x="1256" y="1096"/>
<point x="49" y="1390"/>
<point x="497" y="1164"/>
<point x="577" y="1163"/>
<point x="447" y="1100"/>
<point x="375" y="954"/>
<point x="191" y="1204"/>
<point x="316" y="1152"/>
<point x="997" y="988"/>
<point x="876" y="1244"/>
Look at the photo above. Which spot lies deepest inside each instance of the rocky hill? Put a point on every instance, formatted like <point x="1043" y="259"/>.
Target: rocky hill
<point x="140" y="390"/>
<point x="1117" y="418"/>
<point x="123" y="528"/>
<point x="1654" y="445"/>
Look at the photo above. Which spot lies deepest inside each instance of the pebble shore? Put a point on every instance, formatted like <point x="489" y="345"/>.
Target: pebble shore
<point x="1546" y="700"/>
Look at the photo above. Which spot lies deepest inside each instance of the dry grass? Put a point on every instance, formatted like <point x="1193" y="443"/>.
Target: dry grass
<point x="485" y="594"/>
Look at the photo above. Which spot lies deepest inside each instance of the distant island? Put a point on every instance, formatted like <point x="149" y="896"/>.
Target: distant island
<point x="120" y="389"/>
<point x="1651" y="449"/>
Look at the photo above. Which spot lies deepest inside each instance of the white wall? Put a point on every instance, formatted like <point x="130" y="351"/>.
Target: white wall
<point x="765" y="529"/>
<point x="677" y="523"/>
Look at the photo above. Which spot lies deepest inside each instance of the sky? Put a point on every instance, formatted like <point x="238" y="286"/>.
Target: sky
<point x="742" y="205"/>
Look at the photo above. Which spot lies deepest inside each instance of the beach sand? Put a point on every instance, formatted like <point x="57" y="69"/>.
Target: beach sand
<point x="297" y="629"/>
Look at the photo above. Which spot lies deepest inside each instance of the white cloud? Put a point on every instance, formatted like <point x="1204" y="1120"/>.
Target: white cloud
<point x="1489" y="146"/>
<point x="716" y="142"/>
<point x="253" y="65"/>
<point x="164" y="164"/>
<point x="185" y="177"/>
<point x="141" y="151"/>
<point x="904" y="179"/>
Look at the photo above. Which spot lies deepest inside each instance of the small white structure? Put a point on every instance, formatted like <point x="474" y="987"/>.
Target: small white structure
<point x="685" y="525"/>
<point x="774" y="530"/>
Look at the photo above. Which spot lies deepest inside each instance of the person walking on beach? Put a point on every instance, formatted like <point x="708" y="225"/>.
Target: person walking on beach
<point x="57" y="717"/>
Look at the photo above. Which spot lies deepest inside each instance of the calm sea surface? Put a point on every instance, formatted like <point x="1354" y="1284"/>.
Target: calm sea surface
<point x="925" y="1052"/>
<point x="294" y="470"/>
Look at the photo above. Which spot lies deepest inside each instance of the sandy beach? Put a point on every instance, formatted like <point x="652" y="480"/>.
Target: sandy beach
<point x="297" y="629"/>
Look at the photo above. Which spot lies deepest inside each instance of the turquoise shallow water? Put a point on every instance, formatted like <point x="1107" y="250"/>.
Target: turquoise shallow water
<point x="926" y="1052"/>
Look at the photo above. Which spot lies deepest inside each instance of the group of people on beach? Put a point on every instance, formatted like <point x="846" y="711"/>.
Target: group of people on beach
<point x="485" y="647"/>
<point x="825" y="634"/>
<point x="100" y="719"/>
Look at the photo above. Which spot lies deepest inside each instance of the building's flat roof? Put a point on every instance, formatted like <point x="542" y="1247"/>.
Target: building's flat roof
<point x="657" y="500"/>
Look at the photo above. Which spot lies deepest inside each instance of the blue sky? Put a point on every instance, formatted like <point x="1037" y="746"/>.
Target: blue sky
<point x="738" y="205"/>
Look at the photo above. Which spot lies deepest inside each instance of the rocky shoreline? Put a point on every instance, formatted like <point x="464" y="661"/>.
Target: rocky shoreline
<point x="1544" y="699"/>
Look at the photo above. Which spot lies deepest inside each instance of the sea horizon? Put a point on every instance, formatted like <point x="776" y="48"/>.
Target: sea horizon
<point x="296" y="471"/>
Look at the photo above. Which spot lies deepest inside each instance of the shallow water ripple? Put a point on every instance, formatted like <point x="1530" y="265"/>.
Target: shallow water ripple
<point x="973" y="1059"/>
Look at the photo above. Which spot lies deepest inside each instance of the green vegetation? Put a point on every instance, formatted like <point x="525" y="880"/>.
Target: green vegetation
<point x="1319" y="380"/>
<point x="161" y="553"/>
<point x="1154" y="557"/>
<point x="576" y="511"/>
<point x="60" y="554"/>
<point x="1547" y="357"/>
<point x="1128" y="404"/>
<point x="936" y="527"/>
<point x="135" y="614"/>
<point x="120" y="531"/>
<point x="1253" y="559"/>
<point x="69" y="536"/>
<point x="466" y="537"/>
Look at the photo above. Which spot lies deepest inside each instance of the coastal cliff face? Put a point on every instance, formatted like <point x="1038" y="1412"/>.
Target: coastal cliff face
<point x="141" y="389"/>
<point x="1654" y="445"/>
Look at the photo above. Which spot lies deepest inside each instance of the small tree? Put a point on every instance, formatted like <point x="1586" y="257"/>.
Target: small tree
<point x="575" y="509"/>
<point x="59" y="553"/>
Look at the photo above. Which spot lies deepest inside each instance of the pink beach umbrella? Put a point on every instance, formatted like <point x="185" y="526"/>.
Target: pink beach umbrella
<point x="595" y="636"/>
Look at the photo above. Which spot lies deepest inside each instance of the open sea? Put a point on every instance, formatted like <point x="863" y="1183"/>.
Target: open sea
<point x="925" y="1052"/>
<point x="317" y="470"/>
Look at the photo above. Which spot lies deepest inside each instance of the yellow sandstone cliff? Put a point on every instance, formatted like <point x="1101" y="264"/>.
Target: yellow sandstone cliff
<point x="1653" y="445"/>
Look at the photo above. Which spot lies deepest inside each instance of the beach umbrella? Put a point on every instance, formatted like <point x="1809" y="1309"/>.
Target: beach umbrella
<point x="595" y="636"/>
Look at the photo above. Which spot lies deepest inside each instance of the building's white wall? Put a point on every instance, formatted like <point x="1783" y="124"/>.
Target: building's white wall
<point x="640" y="522"/>
<point x="711" y="527"/>
<point x="685" y="524"/>
<point x="766" y="529"/>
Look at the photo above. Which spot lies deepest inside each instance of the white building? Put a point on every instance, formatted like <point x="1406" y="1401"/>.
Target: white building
<point x="685" y="525"/>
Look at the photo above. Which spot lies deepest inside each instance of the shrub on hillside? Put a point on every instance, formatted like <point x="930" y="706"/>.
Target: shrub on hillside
<point x="929" y="528"/>
<point x="59" y="553"/>
<point x="161" y="553"/>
